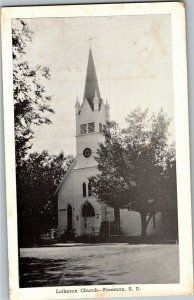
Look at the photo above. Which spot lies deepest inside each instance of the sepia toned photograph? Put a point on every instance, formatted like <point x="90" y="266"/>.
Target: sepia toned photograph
<point x="95" y="150"/>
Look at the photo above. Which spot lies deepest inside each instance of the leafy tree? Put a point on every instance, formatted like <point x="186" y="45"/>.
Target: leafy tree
<point x="169" y="203"/>
<point x="36" y="180"/>
<point x="37" y="183"/>
<point x="109" y="185"/>
<point x="31" y="102"/>
<point x="133" y="165"/>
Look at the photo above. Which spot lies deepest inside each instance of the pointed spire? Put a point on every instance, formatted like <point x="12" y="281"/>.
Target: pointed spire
<point x="96" y="101"/>
<point x="77" y="101"/>
<point x="107" y="110"/>
<point x="77" y="106"/>
<point x="95" y="95"/>
<point x="107" y="104"/>
<point x="91" y="84"/>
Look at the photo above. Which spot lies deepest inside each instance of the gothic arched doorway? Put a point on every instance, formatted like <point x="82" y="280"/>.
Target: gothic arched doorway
<point x="88" y="218"/>
<point x="69" y="217"/>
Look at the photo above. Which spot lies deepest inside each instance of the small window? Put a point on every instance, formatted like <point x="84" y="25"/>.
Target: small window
<point x="100" y="127"/>
<point x="83" y="129"/>
<point x="104" y="128"/>
<point x="84" y="189"/>
<point x="89" y="189"/>
<point x="87" y="152"/>
<point x="91" y="127"/>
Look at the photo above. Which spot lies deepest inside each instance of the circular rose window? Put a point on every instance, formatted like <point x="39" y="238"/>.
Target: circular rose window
<point x="87" y="152"/>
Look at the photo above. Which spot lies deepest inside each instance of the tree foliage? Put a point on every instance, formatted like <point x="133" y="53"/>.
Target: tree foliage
<point x="37" y="174"/>
<point x="37" y="206"/>
<point x="137" y="166"/>
<point x="31" y="102"/>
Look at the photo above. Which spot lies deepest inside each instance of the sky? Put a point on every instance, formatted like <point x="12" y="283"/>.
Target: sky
<point x="132" y="56"/>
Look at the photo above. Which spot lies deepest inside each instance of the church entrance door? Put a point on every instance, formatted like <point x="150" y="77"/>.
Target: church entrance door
<point x="69" y="217"/>
<point x="88" y="219"/>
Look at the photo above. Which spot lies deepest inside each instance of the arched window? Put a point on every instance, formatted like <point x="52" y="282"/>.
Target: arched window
<point x="69" y="217"/>
<point x="84" y="189"/>
<point x="89" y="189"/>
<point x="88" y="210"/>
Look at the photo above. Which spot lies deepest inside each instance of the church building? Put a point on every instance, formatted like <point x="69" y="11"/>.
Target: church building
<point x="78" y="210"/>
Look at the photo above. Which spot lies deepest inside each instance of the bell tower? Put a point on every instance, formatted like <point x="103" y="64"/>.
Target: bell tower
<point x="91" y="116"/>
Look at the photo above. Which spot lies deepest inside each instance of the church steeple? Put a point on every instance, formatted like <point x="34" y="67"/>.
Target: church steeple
<point x="91" y="117"/>
<point x="91" y="85"/>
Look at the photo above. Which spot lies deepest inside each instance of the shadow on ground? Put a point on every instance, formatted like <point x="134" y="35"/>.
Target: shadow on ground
<point x="45" y="272"/>
<point x="99" y="265"/>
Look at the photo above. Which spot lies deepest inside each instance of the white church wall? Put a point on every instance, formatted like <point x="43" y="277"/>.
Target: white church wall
<point x="66" y="193"/>
<point x="86" y="114"/>
<point x="130" y="222"/>
<point x="81" y="176"/>
<point x="65" y="197"/>
<point x="61" y="220"/>
<point x="91" y="141"/>
<point x="107" y="213"/>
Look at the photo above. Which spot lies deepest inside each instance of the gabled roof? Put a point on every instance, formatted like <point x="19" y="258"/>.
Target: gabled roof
<point x="66" y="175"/>
<point x="91" y="84"/>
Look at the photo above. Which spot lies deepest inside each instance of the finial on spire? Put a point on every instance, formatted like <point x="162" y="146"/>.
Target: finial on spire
<point x="96" y="101"/>
<point x="77" y="100"/>
<point x="107" y="110"/>
<point x="95" y="95"/>
<point x="77" y="106"/>
<point x="107" y="104"/>
<point x="90" y="42"/>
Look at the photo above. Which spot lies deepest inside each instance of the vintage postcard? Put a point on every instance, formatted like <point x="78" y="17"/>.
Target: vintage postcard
<point x="97" y="151"/>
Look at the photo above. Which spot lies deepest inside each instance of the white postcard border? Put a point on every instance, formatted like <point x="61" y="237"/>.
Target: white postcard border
<point x="176" y="10"/>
